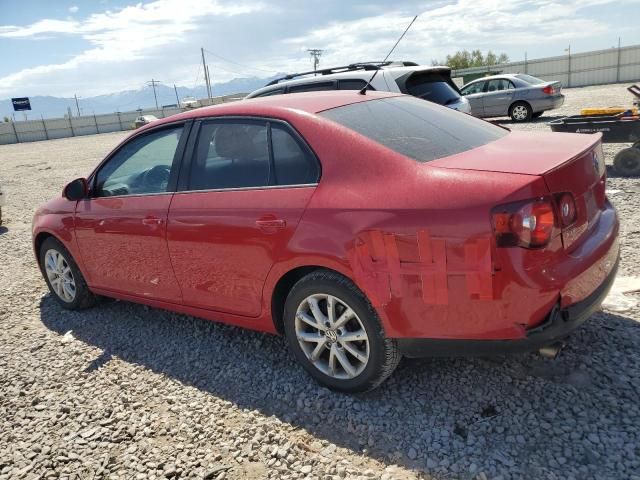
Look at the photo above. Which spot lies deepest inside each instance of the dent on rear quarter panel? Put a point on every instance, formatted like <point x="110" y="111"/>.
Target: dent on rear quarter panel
<point x="417" y="240"/>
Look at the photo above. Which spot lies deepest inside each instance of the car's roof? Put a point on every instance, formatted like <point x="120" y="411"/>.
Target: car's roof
<point x="394" y="70"/>
<point x="279" y="105"/>
<point x="491" y="77"/>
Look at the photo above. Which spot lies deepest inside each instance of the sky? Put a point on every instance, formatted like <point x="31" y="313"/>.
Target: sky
<point x="62" y="48"/>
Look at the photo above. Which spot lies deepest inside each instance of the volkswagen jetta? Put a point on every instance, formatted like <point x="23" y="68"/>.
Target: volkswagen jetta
<point x="362" y="227"/>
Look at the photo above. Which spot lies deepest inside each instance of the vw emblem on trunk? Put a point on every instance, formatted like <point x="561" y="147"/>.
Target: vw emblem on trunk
<point x="596" y="162"/>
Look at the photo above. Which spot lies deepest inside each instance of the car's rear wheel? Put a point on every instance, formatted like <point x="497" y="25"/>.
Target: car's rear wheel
<point x="520" y="112"/>
<point x="627" y="162"/>
<point x="336" y="334"/>
<point x="63" y="277"/>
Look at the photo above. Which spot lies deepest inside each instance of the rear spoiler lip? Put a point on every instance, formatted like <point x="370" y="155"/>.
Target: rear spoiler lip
<point x="590" y="146"/>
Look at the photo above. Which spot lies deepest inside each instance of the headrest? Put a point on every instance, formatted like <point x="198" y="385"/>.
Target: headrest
<point x="240" y="143"/>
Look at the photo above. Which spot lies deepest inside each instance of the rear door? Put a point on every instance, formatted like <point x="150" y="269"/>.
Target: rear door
<point x="238" y="204"/>
<point x="474" y="93"/>
<point x="498" y="97"/>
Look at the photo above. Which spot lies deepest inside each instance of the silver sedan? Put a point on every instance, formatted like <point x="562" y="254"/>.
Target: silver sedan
<point x="520" y="96"/>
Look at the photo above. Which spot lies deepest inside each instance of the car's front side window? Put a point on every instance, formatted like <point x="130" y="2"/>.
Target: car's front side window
<point x="473" y="88"/>
<point x="142" y="166"/>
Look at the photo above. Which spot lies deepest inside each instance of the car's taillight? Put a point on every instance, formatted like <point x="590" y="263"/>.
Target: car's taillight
<point x="548" y="90"/>
<point x="528" y="224"/>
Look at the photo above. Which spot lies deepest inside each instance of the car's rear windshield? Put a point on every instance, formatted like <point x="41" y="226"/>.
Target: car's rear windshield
<point x="433" y="87"/>
<point x="529" y="79"/>
<point x="415" y="128"/>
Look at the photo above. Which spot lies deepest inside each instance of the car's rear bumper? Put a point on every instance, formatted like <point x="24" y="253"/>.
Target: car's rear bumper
<point x="560" y="322"/>
<point x="550" y="103"/>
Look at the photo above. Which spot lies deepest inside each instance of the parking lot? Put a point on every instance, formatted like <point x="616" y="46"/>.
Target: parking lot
<point x="126" y="391"/>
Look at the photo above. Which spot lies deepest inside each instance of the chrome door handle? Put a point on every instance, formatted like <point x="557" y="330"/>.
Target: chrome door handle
<point x="272" y="223"/>
<point x="152" y="221"/>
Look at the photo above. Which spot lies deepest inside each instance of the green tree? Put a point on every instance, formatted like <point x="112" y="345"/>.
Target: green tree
<point x="465" y="59"/>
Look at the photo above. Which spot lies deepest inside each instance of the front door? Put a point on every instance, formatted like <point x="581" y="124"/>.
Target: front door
<point x="121" y="228"/>
<point x="249" y="183"/>
<point x="474" y="94"/>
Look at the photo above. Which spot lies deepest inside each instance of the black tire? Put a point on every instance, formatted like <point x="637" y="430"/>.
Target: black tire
<point x="627" y="162"/>
<point x="83" y="297"/>
<point x="520" y="112"/>
<point x="383" y="352"/>
<point x="537" y="114"/>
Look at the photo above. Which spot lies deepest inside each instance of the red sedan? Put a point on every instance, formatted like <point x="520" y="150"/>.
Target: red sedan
<point x="362" y="227"/>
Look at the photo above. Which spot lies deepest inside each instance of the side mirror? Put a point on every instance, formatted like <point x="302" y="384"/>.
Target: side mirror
<point x="76" y="190"/>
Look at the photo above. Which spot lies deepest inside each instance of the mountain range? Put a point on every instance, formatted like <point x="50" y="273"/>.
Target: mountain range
<point x="127" y="100"/>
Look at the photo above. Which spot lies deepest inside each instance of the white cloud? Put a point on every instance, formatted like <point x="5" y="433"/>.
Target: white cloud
<point x="74" y="9"/>
<point x="161" y="39"/>
<point x="496" y="25"/>
<point x="116" y="38"/>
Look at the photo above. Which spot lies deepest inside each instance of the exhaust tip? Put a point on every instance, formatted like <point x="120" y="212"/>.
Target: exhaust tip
<point x="551" y="351"/>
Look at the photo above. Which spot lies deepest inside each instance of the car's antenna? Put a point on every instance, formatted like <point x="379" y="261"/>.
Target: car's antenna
<point x="364" y="89"/>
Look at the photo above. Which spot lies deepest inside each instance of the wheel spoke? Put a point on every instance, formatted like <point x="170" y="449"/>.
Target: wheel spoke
<point x="347" y="315"/>
<point x="332" y="360"/>
<point x="311" y="337"/>
<point x="355" y="352"/>
<point x="315" y="310"/>
<point x="344" y="361"/>
<point x="318" y="350"/>
<point x="59" y="261"/>
<point x="311" y="321"/>
<point x="356" y="336"/>
<point x="331" y="312"/>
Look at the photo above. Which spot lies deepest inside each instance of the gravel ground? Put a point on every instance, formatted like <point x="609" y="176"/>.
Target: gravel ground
<point x="125" y="391"/>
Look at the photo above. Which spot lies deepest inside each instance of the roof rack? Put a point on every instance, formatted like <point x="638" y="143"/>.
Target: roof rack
<point x="345" y="68"/>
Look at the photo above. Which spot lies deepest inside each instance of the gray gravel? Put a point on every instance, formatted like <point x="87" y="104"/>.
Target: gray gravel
<point x="125" y="391"/>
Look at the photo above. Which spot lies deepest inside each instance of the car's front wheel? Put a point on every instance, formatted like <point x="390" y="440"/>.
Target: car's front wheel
<point x="520" y="112"/>
<point x="63" y="277"/>
<point x="336" y="334"/>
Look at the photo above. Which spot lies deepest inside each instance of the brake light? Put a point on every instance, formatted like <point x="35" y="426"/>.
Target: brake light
<point x="528" y="224"/>
<point x="548" y="90"/>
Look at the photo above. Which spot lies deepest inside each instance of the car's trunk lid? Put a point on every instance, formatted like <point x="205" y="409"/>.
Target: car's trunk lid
<point x="568" y="163"/>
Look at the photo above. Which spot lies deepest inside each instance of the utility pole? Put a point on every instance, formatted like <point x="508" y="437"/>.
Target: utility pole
<point x="206" y="74"/>
<point x="316" y="53"/>
<point x="177" y="99"/>
<point x="153" y="84"/>
<point x="618" y="66"/>
<point x="568" y="50"/>
<point x="77" y="105"/>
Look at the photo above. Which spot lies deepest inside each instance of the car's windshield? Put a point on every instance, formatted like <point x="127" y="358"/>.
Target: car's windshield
<point x="420" y="130"/>
<point x="529" y="79"/>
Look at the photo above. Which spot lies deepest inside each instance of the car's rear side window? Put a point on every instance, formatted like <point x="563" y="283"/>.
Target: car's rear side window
<point x="529" y="79"/>
<point x="415" y="128"/>
<point x="353" y="84"/>
<point x="312" y="87"/>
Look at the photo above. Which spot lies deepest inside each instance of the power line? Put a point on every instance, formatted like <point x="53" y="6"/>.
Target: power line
<point x="238" y="64"/>
<point x="316" y="53"/>
<point x="153" y="84"/>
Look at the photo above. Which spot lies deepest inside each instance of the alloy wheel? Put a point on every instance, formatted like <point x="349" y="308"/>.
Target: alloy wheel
<point x="60" y="275"/>
<point x="332" y="336"/>
<point x="520" y="112"/>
